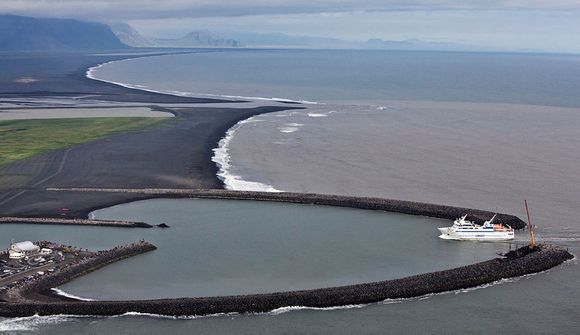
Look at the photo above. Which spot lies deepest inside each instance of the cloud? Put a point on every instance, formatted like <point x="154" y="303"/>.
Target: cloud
<point x="155" y="9"/>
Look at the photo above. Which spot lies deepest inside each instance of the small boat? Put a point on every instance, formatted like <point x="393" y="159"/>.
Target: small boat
<point x="464" y="229"/>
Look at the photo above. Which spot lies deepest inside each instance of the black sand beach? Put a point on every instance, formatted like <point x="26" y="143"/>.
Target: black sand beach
<point x="64" y="74"/>
<point x="176" y="154"/>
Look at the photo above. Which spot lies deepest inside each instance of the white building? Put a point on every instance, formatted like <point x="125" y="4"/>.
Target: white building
<point x="22" y="249"/>
<point x="45" y="251"/>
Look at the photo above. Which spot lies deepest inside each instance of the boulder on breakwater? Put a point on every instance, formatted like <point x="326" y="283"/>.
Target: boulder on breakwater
<point x="518" y="263"/>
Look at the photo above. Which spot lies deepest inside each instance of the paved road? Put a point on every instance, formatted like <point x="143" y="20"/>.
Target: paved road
<point x="24" y="274"/>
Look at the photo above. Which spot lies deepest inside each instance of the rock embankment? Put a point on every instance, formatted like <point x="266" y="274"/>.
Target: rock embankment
<point x="519" y="263"/>
<point x="389" y="205"/>
<point x="81" y="222"/>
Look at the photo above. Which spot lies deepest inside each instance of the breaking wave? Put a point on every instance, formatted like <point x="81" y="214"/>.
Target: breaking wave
<point x="222" y="159"/>
<point x="68" y="295"/>
<point x="32" y="323"/>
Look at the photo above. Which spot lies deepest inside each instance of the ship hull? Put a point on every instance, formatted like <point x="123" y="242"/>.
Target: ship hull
<point x="450" y="234"/>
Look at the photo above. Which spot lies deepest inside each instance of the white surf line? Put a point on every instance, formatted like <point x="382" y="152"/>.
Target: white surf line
<point x="32" y="323"/>
<point x="90" y="73"/>
<point x="288" y="309"/>
<point x="68" y="295"/>
<point x="222" y="159"/>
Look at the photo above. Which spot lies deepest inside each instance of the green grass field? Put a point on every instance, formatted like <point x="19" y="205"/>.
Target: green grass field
<point x="20" y="139"/>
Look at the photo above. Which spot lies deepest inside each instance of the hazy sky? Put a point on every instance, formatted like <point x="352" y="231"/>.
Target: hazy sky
<point x="552" y="25"/>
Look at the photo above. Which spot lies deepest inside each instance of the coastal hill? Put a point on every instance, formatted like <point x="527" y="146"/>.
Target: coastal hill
<point x="131" y="37"/>
<point x="20" y="33"/>
<point x="200" y="38"/>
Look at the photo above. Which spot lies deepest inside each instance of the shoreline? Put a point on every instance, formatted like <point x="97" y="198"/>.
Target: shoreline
<point x="221" y="158"/>
<point x="238" y="98"/>
<point x="184" y="147"/>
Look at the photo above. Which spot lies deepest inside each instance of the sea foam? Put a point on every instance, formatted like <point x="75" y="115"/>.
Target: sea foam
<point x="282" y="310"/>
<point x="222" y="159"/>
<point x="32" y="323"/>
<point x="317" y="115"/>
<point x="68" y="295"/>
<point x="287" y="129"/>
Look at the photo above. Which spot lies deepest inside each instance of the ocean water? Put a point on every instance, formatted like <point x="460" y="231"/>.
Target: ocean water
<point x="467" y="129"/>
<point x="339" y="75"/>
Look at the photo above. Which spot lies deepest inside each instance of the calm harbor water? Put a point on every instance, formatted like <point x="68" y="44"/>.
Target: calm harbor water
<point x="239" y="247"/>
<point x="221" y="247"/>
<point x="475" y="130"/>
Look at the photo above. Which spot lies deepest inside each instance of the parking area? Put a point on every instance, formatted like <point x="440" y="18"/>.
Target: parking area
<point x="16" y="271"/>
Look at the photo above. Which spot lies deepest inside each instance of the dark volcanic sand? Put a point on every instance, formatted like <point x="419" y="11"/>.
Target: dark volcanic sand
<point x="175" y="154"/>
<point x="64" y="74"/>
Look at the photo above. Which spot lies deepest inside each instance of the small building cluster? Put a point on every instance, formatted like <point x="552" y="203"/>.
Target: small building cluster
<point x="23" y="262"/>
<point x="19" y="250"/>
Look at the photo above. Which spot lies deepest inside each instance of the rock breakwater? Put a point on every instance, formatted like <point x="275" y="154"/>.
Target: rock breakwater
<point x="540" y="259"/>
<point x="74" y="221"/>
<point x="389" y="205"/>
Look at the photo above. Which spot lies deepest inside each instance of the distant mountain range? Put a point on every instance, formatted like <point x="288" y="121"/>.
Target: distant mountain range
<point x="205" y="38"/>
<point x="35" y="34"/>
<point x="279" y="40"/>
<point x="27" y="33"/>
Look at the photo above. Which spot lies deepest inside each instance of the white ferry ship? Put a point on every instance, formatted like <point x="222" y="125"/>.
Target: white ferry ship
<point x="464" y="229"/>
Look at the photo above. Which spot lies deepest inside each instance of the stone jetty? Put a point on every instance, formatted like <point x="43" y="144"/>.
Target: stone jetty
<point x="74" y="221"/>
<point x="388" y="205"/>
<point x="522" y="262"/>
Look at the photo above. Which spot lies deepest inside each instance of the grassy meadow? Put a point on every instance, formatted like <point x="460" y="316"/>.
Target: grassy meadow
<point x="20" y="139"/>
